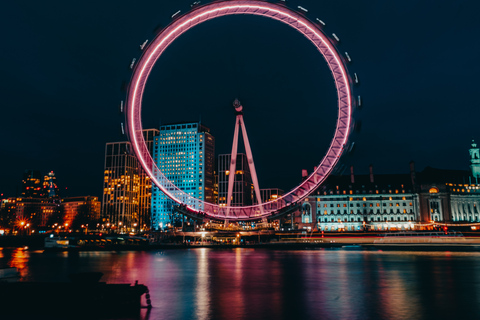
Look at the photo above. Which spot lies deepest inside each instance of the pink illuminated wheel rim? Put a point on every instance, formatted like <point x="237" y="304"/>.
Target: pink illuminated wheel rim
<point x="207" y="12"/>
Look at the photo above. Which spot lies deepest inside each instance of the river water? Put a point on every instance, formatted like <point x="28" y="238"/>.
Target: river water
<point x="241" y="283"/>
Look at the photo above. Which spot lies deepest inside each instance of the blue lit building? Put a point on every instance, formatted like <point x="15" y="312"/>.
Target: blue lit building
<point x="184" y="152"/>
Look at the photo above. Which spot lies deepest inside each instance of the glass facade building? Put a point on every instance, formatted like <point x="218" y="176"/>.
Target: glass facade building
<point x="126" y="187"/>
<point x="184" y="153"/>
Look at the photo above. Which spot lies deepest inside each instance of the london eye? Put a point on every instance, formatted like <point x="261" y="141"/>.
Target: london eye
<point x="311" y="29"/>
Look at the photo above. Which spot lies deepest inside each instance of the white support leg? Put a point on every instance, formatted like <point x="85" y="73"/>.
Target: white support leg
<point x="251" y="164"/>
<point x="233" y="164"/>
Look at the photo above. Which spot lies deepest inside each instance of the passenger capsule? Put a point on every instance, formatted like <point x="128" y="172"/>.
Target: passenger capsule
<point x="356" y="78"/>
<point x="348" y="57"/>
<point x="323" y="23"/>
<point x="302" y="8"/>
<point x="143" y="44"/>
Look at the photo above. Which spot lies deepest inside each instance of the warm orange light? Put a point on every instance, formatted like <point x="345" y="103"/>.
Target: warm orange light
<point x="433" y="190"/>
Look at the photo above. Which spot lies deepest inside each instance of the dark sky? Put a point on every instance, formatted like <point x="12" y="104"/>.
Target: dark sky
<point x="62" y="64"/>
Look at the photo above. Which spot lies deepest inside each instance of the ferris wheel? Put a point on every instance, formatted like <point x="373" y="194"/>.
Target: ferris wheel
<point x="202" y="13"/>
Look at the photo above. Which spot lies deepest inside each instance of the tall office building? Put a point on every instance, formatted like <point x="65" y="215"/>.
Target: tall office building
<point x="127" y="189"/>
<point x="31" y="184"/>
<point x="184" y="153"/>
<point x="50" y="189"/>
<point x="243" y="186"/>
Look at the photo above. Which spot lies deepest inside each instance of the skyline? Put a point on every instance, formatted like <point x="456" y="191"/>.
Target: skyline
<point x="92" y="52"/>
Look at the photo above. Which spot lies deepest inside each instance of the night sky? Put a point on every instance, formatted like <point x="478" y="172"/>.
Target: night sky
<point x="62" y="65"/>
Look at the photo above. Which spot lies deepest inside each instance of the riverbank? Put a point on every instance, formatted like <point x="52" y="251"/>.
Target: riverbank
<point x="274" y="241"/>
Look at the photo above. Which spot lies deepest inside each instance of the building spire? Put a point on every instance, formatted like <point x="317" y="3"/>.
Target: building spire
<point x="475" y="161"/>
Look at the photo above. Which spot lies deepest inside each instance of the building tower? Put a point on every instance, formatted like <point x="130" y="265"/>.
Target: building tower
<point x="127" y="189"/>
<point x="184" y="153"/>
<point x="120" y="186"/>
<point x="242" y="192"/>
<point x="50" y="189"/>
<point x="31" y="184"/>
<point x="475" y="161"/>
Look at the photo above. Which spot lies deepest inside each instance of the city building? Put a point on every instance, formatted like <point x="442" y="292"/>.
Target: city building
<point x="127" y="189"/>
<point x="31" y="184"/>
<point x="242" y="194"/>
<point x="8" y="214"/>
<point x="361" y="202"/>
<point x="270" y="194"/>
<point x="394" y="201"/>
<point x="184" y="153"/>
<point x="50" y="189"/>
<point x="35" y="211"/>
<point x="81" y="209"/>
<point x="448" y="196"/>
<point x="121" y="184"/>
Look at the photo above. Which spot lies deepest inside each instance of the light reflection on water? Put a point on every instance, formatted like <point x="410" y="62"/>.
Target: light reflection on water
<point x="268" y="284"/>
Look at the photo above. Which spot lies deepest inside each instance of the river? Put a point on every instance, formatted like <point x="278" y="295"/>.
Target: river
<point x="241" y="283"/>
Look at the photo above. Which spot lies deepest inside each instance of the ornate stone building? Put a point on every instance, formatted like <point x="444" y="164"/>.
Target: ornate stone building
<point x="394" y="201"/>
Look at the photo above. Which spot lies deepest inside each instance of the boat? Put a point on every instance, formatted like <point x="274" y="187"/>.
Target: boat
<point x="57" y="243"/>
